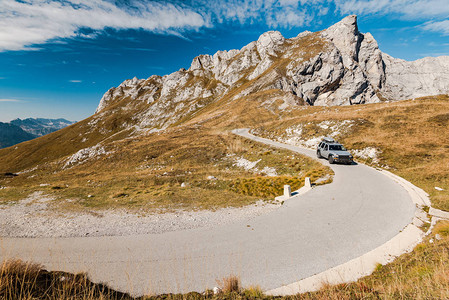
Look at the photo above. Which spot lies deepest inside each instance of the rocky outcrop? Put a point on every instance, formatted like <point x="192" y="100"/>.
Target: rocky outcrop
<point x="411" y="79"/>
<point x="337" y="66"/>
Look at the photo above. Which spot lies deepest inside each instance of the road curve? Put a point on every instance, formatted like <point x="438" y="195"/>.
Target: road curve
<point x="321" y="229"/>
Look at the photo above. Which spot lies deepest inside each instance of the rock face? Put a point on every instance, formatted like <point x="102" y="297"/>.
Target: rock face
<point x="412" y="79"/>
<point x="337" y="66"/>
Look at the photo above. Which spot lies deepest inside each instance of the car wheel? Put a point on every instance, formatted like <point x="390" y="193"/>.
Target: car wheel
<point x="331" y="159"/>
<point x="318" y="154"/>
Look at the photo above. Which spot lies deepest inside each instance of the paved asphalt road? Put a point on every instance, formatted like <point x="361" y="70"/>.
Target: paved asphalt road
<point x="325" y="227"/>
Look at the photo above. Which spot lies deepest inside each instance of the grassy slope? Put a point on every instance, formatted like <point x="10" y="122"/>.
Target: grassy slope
<point x="412" y="137"/>
<point x="146" y="171"/>
<point x="149" y="174"/>
<point x="423" y="274"/>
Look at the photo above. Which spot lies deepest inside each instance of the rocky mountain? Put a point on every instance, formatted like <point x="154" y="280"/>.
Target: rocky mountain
<point x="265" y="81"/>
<point x="336" y="66"/>
<point x="11" y="134"/>
<point x="40" y="126"/>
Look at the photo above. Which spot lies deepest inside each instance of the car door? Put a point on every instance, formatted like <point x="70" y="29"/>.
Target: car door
<point x="325" y="151"/>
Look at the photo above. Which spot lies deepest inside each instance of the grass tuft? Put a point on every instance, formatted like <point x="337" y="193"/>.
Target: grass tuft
<point x="229" y="284"/>
<point x="23" y="280"/>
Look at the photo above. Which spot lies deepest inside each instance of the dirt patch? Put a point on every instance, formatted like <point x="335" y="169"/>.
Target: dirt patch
<point x="35" y="217"/>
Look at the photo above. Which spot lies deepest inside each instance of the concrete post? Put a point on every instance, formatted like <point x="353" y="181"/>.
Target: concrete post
<point x="287" y="191"/>
<point x="307" y="182"/>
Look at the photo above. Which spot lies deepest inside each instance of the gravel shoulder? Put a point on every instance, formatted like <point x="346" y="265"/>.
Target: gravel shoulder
<point x="34" y="217"/>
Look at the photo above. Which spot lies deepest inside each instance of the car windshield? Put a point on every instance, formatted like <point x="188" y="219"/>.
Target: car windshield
<point x="337" y="147"/>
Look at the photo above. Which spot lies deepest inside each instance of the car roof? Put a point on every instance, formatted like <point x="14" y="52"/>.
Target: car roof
<point x="330" y="141"/>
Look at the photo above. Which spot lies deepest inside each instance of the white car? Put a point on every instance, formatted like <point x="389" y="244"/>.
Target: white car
<point x="333" y="151"/>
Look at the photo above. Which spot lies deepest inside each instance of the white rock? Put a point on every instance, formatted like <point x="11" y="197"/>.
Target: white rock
<point x="216" y="290"/>
<point x="350" y="69"/>
<point x="269" y="42"/>
<point x="439" y="189"/>
<point x="85" y="154"/>
<point x="413" y="79"/>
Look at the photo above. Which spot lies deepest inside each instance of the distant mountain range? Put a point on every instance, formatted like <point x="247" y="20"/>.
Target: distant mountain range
<point x="19" y="130"/>
<point x="39" y="126"/>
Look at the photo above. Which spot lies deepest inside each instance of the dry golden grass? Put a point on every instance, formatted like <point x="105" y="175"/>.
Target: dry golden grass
<point x="411" y="135"/>
<point x="229" y="284"/>
<point x="20" y="280"/>
<point x="149" y="173"/>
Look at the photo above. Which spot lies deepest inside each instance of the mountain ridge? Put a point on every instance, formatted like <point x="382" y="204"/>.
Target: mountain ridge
<point x="348" y="69"/>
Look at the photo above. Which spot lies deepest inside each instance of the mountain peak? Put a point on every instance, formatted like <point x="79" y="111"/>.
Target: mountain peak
<point x="346" y="36"/>
<point x="350" y="20"/>
<point x="336" y="66"/>
<point x="269" y="42"/>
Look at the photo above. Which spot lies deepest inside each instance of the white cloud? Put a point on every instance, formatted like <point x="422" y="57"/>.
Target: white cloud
<point x="406" y="9"/>
<point x="75" y="81"/>
<point x="412" y="9"/>
<point x="33" y="22"/>
<point x="440" y="27"/>
<point x="26" y="24"/>
<point x="274" y="13"/>
<point x="11" y="100"/>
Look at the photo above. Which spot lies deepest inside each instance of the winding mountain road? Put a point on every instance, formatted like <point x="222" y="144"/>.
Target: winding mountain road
<point x="323" y="228"/>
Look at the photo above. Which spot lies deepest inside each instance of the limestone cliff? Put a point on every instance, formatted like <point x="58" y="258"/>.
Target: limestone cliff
<point x="337" y="66"/>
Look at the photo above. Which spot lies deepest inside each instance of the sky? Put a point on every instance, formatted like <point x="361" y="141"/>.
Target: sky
<point x="58" y="57"/>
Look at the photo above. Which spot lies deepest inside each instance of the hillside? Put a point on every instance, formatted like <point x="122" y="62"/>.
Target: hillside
<point x="11" y="135"/>
<point x="149" y="136"/>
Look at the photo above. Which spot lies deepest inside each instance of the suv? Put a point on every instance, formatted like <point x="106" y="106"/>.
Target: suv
<point x="333" y="151"/>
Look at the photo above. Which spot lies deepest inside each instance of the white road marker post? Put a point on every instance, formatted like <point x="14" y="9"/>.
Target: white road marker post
<point x="307" y="183"/>
<point x="287" y="191"/>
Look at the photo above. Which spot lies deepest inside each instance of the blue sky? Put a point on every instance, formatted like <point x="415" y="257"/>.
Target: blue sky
<point x="57" y="58"/>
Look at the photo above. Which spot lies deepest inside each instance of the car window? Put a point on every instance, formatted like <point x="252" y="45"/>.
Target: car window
<point x="327" y="147"/>
<point x="337" y="147"/>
